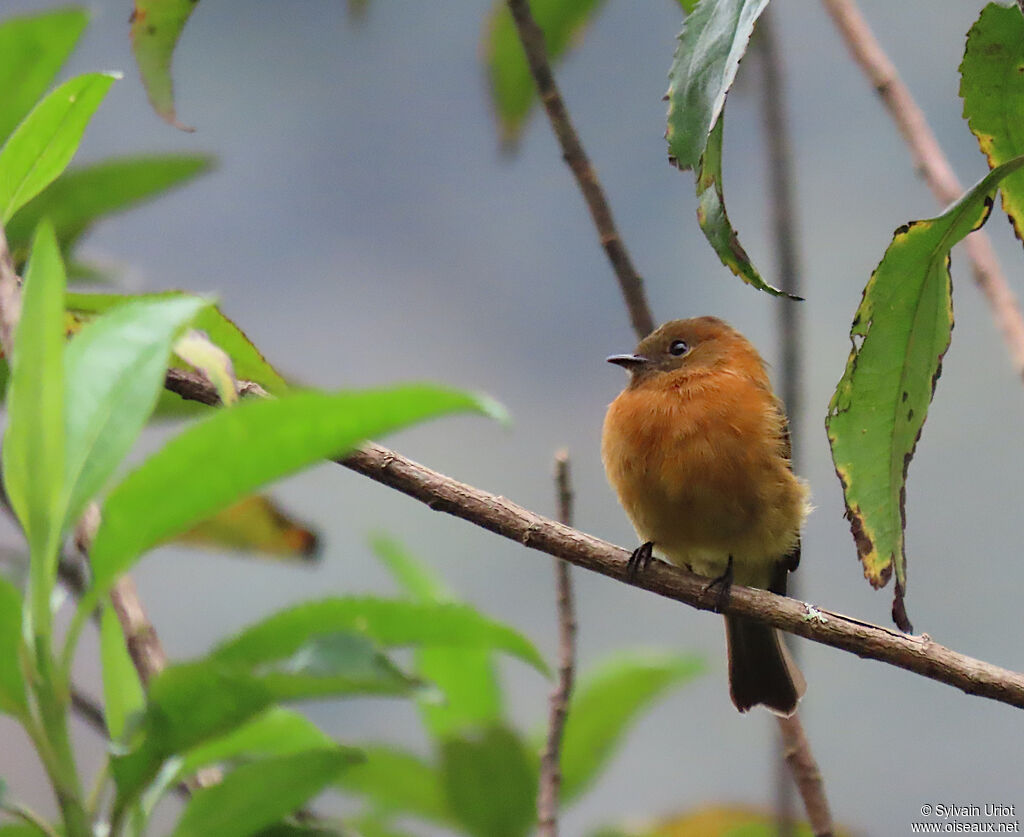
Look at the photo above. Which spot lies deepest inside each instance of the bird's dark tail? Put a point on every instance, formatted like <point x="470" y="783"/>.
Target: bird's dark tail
<point x="760" y="668"/>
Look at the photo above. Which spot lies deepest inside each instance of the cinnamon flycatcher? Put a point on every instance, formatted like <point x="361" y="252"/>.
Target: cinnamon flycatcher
<point x="697" y="448"/>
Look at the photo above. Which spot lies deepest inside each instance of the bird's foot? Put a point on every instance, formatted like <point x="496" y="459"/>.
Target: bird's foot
<point x="724" y="585"/>
<point x="640" y="560"/>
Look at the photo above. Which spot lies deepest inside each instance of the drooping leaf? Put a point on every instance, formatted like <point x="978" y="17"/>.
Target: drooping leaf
<point x="387" y="622"/>
<point x="248" y="363"/>
<point x="992" y="87"/>
<point x="465" y="677"/>
<point x="44" y="143"/>
<point x="900" y="333"/>
<point x="215" y="462"/>
<point x="398" y="783"/>
<point x="256" y="525"/>
<point x="491" y="782"/>
<point x="513" y="92"/>
<point x="713" y="40"/>
<point x="33" y="449"/>
<point x="607" y="701"/>
<point x="122" y="690"/>
<point x="115" y="369"/>
<point x="83" y="195"/>
<point x="155" y="28"/>
<point x="32" y="50"/>
<point x="257" y="795"/>
<point x="12" y="684"/>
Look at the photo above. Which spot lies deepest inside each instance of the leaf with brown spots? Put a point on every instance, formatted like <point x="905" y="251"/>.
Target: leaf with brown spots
<point x="155" y="28"/>
<point x="899" y="334"/>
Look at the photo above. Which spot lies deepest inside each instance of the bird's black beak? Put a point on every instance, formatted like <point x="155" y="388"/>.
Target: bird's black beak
<point x="630" y="362"/>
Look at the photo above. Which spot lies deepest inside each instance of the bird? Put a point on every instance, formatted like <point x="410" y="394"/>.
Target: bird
<point x="697" y="449"/>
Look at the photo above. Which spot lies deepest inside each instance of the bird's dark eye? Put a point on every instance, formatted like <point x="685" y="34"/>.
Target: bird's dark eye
<point x="678" y="348"/>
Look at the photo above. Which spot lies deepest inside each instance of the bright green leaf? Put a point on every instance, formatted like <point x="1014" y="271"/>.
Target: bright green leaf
<point x="33" y="449"/>
<point x="466" y="678"/>
<point x="387" y="622"/>
<point x="249" y="364"/>
<point x="122" y="692"/>
<point x="83" y="195"/>
<point x="259" y="794"/>
<point x="491" y="783"/>
<point x="992" y="87"/>
<point x="42" y="146"/>
<point x="900" y="333"/>
<point x="512" y="88"/>
<point x="115" y="368"/>
<point x="156" y="27"/>
<point x="32" y="50"/>
<point x="398" y="783"/>
<point x="12" y="684"/>
<point x="234" y="452"/>
<point x="21" y="830"/>
<point x="606" y="702"/>
<point x="713" y="40"/>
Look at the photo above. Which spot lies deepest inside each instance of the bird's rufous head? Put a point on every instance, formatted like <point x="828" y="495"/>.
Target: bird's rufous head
<point x="690" y="346"/>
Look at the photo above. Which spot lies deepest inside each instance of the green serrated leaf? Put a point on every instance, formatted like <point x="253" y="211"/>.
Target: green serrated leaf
<point x="491" y="782"/>
<point x="83" y="195"/>
<point x="387" y="622"/>
<point x="44" y="143"/>
<point x="604" y="704"/>
<point x="513" y="92"/>
<point x="397" y="783"/>
<point x="12" y="684"/>
<point x="122" y="691"/>
<point x="32" y="50"/>
<point x="234" y="452"/>
<point x="992" y="87"/>
<point x="115" y="368"/>
<point x="713" y="40"/>
<point x="900" y="333"/>
<point x="248" y="363"/>
<point x="257" y="795"/>
<point x="156" y="26"/>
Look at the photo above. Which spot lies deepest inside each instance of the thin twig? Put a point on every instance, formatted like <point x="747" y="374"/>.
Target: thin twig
<point x="630" y="283"/>
<point x="797" y="752"/>
<point x="918" y="654"/>
<point x="550" y="770"/>
<point x="933" y="166"/>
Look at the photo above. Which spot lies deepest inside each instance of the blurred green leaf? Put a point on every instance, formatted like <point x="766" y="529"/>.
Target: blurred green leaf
<point x="21" y="830"/>
<point x="398" y="783"/>
<point x="713" y="40"/>
<point x="83" y="195"/>
<point x="491" y="783"/>
<point x="216" y="461"/>
<point x="256" y="524"/>
<point x="992" y="87"/>
<point x="465" y="677"/>
<point x="114" y="371"/>
<point x="512" y="89"/>
<point x="249" y="364"/>
<point x="900" y="333"/>
<point x="155" y="28"/>
<point x="122" y="692"/>
<point x="604" y="704"/>
<point x="33" y="449"/>
<point x="387" y="622"/>
<point x="12" y="683"/>
<point x="257" y="795"/>
<point x="32" y="50"/>
<point x="42" y="146"/>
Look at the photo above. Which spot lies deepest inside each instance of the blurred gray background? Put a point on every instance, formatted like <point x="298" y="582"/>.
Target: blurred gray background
<point x="364" y="229"/>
